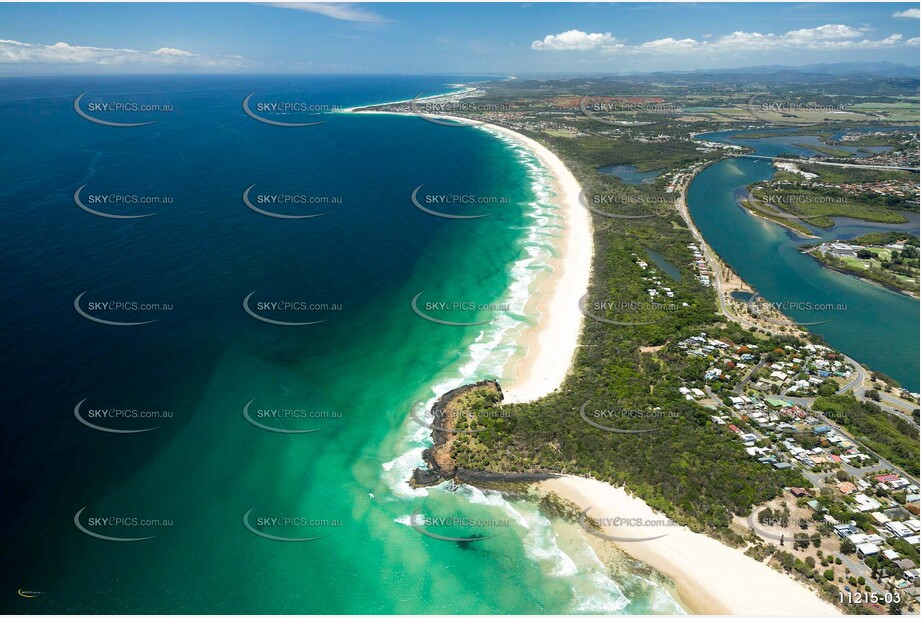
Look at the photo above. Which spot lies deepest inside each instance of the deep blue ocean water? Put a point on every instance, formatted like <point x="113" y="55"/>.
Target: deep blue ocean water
<point x="205" y="481"/>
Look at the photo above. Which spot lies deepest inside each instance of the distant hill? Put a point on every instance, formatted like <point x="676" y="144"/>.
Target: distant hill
<point x="844" y="78"/>
<point x="771" y="72"/>
<point x="879" y="69"/>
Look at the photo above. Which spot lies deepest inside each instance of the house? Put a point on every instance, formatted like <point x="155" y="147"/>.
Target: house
<point x="881" y="518"/>
<point x="846" y="488"/>
<point x="798" y="492"/>
<point x="713" y="374"/>
<point x="865" y="503"/>
<point x="860" y="539"/>
<point x="890" y="554"/>
<point x="866" y="550"/>
<point x="898" y="529"/>
<point x="846" y="530"/>
<point x="886" y="478"/>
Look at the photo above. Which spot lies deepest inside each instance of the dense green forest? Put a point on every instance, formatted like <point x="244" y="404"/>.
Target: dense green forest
<point x="690" y="468"/>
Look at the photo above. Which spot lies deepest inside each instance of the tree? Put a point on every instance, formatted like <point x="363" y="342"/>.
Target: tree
<point x="847" y="547"/>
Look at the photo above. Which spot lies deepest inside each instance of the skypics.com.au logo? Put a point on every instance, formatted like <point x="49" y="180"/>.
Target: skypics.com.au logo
<point x="272" y="112"/>
<point x="96" y="110"/>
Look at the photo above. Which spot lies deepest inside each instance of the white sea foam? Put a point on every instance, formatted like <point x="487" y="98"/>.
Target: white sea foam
<point x="540" y="545"/>
<point x="404" y="520"/>
<point x="489" y="356"/>
<point x="474" y="495"/>
<point x="494" y="346"/>
<point x="397" y="470"/>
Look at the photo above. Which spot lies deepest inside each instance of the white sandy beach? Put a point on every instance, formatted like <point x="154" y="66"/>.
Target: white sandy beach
<point x="710" y="578"/>
<point x="551" y="344"/>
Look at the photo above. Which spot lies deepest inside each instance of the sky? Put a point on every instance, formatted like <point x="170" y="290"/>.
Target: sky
<point x="415" y="38"/>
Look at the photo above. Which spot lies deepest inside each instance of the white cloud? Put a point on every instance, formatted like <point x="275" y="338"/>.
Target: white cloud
<point x="335" y="10"/>
<point x="17" y="52"/>
<point x="909" y="13"/>
<point x="827" y="37"/>
<point x="576" y="40"/>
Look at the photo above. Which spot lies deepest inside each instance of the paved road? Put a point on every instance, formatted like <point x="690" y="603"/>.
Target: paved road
<point x="898" y="403"/>
<point x="821" y="162"/>
<point x="748" y="376"/>
<point x="860" y="374"/>
<point x="859" y="569"/>
<point x="854" y="382"/>
<point x="890" y="404"/>
<point x="883" y="462"/>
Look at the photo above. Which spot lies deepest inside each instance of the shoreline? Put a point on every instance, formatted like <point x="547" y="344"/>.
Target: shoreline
<point x="762" y="215"/>
<point x="462" y="89"/>
<point x="695" y="562"/>
<point x="891" y="288"/>
<point x="704" y="570"/>
<point x="713" y="260"/>
<point x="725" y="280"/>
<point x="550" y="344"/>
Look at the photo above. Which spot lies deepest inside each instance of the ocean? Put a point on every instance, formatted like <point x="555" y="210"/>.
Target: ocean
<point x="236" y="462"/>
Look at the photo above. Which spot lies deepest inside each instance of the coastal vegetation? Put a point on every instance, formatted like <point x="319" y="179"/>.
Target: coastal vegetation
<point x="878" y="259"/>
<point x="619" y="416"/>
<point x="688" y="468"/>
<point x="817" y="193"/>
<point x="893" y="438"/>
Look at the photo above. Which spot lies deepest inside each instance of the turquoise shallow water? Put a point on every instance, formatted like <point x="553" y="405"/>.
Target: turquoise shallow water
<point x="876" y="326"/>
<point x="206" y="484"/>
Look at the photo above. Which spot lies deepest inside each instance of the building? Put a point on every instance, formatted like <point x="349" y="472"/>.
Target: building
<point x="865" y="503"/>
<point x="898" y="529"/>
<point x="866" y="550"/>
<point x="846" y="488"/>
